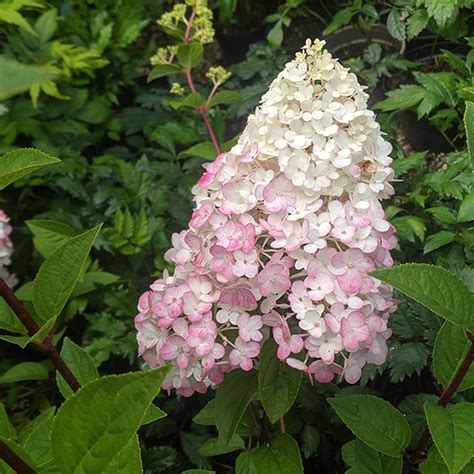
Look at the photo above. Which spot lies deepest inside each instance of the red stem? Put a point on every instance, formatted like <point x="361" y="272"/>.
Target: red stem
<point x="14" y="461"/>
<point x="32" y="328"/>
<point x="445" y="397"/>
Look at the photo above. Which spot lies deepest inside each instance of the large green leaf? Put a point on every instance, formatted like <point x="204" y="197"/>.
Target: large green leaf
<point x="128" y="460"/>
<point x="59" y="273"/>
<point x="162" y="70"/>
<point x="190" y="54"/>
<point x="18" y="163"/>
<point x="232" y="398"/>
<point x="81" y="365"/>
<point x="451" y="347"/>
<point x="278" y="384"/>
<point x="282" y="456"/>
<point x="94" y="425"/>
<point x="434" y="287"/>
<point x="16" y="77"/>
<point x="452" y="430"/>
<point x="375" y="422"/>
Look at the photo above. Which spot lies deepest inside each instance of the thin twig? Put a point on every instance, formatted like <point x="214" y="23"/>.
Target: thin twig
<point x="32" y="328"/>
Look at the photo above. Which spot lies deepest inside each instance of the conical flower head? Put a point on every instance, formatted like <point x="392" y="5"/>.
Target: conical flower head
<point x="287" y="227"/>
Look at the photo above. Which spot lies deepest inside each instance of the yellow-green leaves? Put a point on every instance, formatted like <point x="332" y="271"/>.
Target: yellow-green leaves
<point x="375" y="422"/>
<point x="18" y="163"/>
<point x="95" y="429"/>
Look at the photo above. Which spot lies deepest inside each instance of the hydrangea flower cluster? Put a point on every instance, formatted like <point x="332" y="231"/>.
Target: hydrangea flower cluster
<point x="286" y="230"/>
<point x="6" y="249"/>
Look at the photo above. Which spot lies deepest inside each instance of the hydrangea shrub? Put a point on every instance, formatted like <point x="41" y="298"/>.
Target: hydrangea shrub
<point x="6" y="249"/>
<point x="287" y="227"/>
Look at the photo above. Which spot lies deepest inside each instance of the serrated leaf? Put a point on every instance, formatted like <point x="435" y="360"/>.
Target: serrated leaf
<point x="466" y="210"/>
<point x="36" y="437"/>
<point x="232" y="398"/>
<point x="410" y="227"/>
<point x="102" y="418"/>
<point x="416" y="23"/>
<point x="407" y="359"/>
<point x="395" y="25"/>
<point x="451" y="347"/>
<point x="48" y="235"/>
<point x="18" y="163"/>
<point x="443" y="214"/>
<point x="469" y="126"/>
<point x="406" y="97"/>
<point x="81" y="365"/>
<point x="452" y="430"/>
<point x="441" y="10"/>
<point x="278" y="384"/>
<point x="375" y="422"/>
<point x="438" y="240"/>
<point x="59" y="273"/>
<point x="434" y="287"/>
<point x="412" y="409"/>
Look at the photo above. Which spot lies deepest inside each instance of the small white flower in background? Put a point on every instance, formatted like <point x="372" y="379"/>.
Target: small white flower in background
<point x="288" y="226"/>
<point x="6" y="250"/>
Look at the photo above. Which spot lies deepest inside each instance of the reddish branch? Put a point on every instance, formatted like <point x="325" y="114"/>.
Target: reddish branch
<point x="14" y="461"/>
<point x="445" y="397"/>
<point x="32" y="328"/>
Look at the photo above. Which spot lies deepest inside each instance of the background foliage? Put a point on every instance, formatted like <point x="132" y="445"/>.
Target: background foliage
<point x="129" y="158"/>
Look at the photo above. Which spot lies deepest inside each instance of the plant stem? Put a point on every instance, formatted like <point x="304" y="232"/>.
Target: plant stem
<point x="32" y="328"/>
<point x="14" y="461"/>
<point x="445" y="398"/>
<point x="282" y="425"/>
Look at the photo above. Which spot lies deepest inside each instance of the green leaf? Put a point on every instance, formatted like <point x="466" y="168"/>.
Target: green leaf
<point x="410" y="227"/>
<point x="153" y="414"/>
<point x="412" y="409"/>
<point x="18" y="163"/>
<point x="441" y="10"/>
<point x="395" y="25"/>
<point x="466" y="210"/>
<point x="224" y="97"/>
<point x="25" y="371"/>
<point x="9" y="320"/>
<point x="280" y="457"/>
<point x="408" y="163"/>
<point x="162" y="70"/>
<point x="46" y="25"/>
<point x="232" y="398"/>
<point x="275" y="35"/>
<point x="48" y="235"/>
<point x="216" y="446"/>
<point x="97" y="422"/>
<point x="20" y="452"/>
<point x="203" y="150"/>
<point x="190" y="54"/>
<point x="193" y="100"/>
<point x="416" y="23"/>
<point x="375" y="422"/>
<point x="451" y="347"/>
<point x="407" y="359"/>
<point x="81" y="365"/>
<point x="16" y="77"/>
<point x="6" y="428"/>
<point x="406" y="97"/>
<point x="365" y="460"/>
<point x="434" y="287"/>
<point x="443" y="215"/>
<point x="128" y="460"/>
<point x="469" y="126"/>
<point x="36" y="437"/>
<point x="278" y="384"/>
<point x="438" y="240"/>
<point x="59" y="273"/>
<point x="452" y="430"/>
<point x="310" y="439"/>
